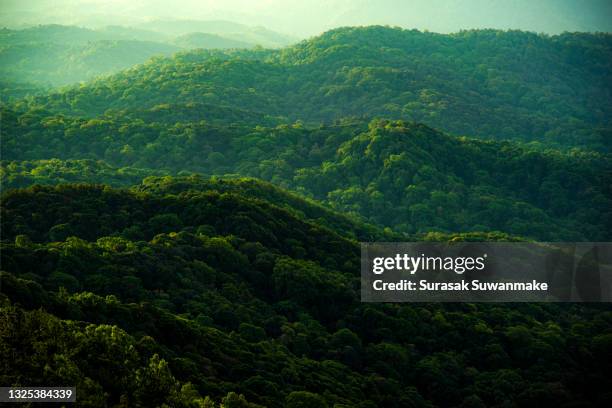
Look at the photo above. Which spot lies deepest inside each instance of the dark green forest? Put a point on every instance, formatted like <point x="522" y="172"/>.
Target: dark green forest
<point x="185" y="233"/>
<point x="185" y="285"/>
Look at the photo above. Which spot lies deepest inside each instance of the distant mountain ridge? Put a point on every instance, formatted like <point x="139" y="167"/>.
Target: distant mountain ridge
<point x="185" y="233"/>
<point x="235" y="31"/>
<point x="57" y="55"/>
<point x="209" y="41"/>
<point x="484" y="83"/>
<point x="63" y="34"/>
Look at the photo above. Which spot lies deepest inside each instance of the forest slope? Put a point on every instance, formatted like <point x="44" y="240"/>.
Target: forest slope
<point x="171" y="289"/>
<point x="186" y="284"/>
<point x="484" y="83"/>
<point x="404" y="176"/>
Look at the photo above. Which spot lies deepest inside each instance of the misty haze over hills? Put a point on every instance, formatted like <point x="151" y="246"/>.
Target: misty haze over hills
<point x="56" y="55"/>
<point x="54" y="43"/>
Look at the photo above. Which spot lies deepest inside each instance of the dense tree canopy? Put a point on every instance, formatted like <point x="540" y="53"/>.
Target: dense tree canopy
<point x="198" y="289"/>
<point x="484" y="83"/>
<point x="185" y="233"/>
<point x="399" y="175"/>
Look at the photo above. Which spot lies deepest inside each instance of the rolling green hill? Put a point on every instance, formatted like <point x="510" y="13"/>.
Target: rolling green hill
<point x="187" y="288"/>
<point x="404" y="176"/>
<point x="185" y="233"/>
<point x="484" y="83"/>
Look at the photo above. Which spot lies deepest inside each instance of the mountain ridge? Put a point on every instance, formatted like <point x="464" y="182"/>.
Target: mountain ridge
<point x="405" y="176"/>
<point x="185" y="233"/>
<point x="512" y="91"/>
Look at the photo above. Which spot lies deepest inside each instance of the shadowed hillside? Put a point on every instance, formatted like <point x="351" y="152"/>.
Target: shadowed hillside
<point x="189" y="291"/>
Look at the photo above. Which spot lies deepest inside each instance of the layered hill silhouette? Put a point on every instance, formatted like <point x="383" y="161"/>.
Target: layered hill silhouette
<point x="484" y="83"/>
<point x="186" y="232"/>
<point x="56" y="55"/>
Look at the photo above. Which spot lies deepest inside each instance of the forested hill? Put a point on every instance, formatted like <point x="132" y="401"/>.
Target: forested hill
<point x="484" y="83"/>
<point x="152" y="270"/>
<point x="57" y="55"/>
<point x="186" y="288"/>
<point x="405" y="176"/>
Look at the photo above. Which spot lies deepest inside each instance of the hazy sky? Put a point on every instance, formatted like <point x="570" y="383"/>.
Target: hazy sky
<point x="303" y="18"/>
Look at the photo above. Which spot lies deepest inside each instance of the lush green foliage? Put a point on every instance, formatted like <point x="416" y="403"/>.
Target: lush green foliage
<point x="404" y="176"/>
<point x="195" y="291"/>
<point x="483" y="83"/>
<point x="16" y="174"/>
<point x="196" y="288"/>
